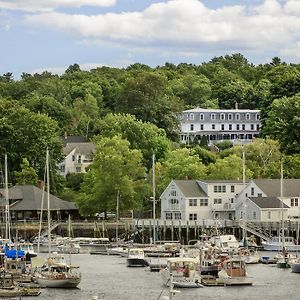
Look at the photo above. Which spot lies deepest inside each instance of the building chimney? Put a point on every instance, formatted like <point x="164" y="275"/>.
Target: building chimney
<point x="236" y="105"/>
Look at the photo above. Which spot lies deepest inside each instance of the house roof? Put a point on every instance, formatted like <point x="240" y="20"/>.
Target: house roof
<point x="81" y="148"/>
<point x="211" y="110"/>
<point x="224" y="181"/>
<point x="271" y="187"/>
<point x="268" y="202"/>
<point x="73" y="139"/>
<point x="190" y="188"/>
<point x="29" y="197"/>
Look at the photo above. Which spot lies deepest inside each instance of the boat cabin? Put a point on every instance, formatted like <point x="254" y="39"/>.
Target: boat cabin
<point x="235" y="267"/>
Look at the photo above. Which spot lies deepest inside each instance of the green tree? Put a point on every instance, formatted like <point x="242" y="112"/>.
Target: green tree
<point x="27" y="175"/>
<point x="116" y="168"/>
<point x="230" y="167"/>
<point x="180" y="164"/>
<point x="144" y="136"/>
<point x="283" y="123"/>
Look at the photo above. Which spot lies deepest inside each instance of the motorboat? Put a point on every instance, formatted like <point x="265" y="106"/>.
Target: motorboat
<point x="184" y="272"/>
<point x="250" y="255"/>
<point x="226" y="242"/>
<point x="136" y="258"/>
<point x="295" y="265"/>
<point x="233" y="272"/>
<point x="68" y="247"/>
<point x="275" y="244"/>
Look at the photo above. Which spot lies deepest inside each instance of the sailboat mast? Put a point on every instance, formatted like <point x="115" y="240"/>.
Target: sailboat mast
<point x="244" y="198"/>
<point x="7" y="213"/>
<point x="281" y="198"/>
<point x="153" y="189"/>
<point x="48" y="202"/>
<point x="117" y="215"/>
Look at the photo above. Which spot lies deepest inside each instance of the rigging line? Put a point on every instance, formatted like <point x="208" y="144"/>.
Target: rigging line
<point x="163" y="289"/>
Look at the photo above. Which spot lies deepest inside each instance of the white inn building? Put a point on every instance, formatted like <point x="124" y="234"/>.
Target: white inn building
<point x="218" y="125"/>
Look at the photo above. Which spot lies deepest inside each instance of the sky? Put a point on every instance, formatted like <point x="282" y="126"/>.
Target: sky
<point x="39" y="35"/>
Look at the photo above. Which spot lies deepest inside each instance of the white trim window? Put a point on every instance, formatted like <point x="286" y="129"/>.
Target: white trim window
<point x="192" y="117"/>
<point x="177" y="215"/>
<point x="201" y="117"/>
<point x="222" y="116"/>
<point x="203" y="202"/>
<point x="193" y="217"/>
<point x="247" y="116"/>
<point x="168" y="216"/>
<point x="192" y="202"/>
<point x="229" y="116"/>
<point x="237" y="117"/>
<point x="218" y="201"/>
<point x="173" y="193"/>
<point x="213" y="116"/>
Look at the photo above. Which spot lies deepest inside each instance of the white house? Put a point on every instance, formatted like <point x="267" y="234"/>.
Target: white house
<point x="218" y="125"/>
<point x="196" y="200"/>
<point x="264" y="188"/>
<point x="262" y="209"/>
<point x="78" y="156"/>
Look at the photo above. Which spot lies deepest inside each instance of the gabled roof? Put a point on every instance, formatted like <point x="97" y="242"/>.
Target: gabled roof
<point x="80" y="148"/>
<point x="271" y="187"/>
<point x="212" y="110"/>
<point x="228" y="181"/>
<point x="190" y="188"/>
<point x="268" y="202"/>
<point x="29" y="197"/>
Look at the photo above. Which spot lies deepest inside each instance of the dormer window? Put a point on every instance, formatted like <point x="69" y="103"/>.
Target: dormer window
<point x="201" y="117"/>
<point x="192" y="116"/>
<point x="213" y="116"/>
<point x="237" y="116"/>
<point x="229" y="116"/>
<point x="222" y="116"/>
<point x="247" y="116"/>
<point x="257" y="117"/>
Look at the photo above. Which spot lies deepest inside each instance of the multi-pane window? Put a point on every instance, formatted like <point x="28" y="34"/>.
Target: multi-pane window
<point x="203" y="202"/>
<point x="173" y="203"/>
<point x="168" y="216"/>
<point x="237" y="116"/>
<point x="177" y="216"/>
<point x="193" y="202"/>
<point x="230" y="126"/>
<point x="217" y="201"/>
<point x="237" y="126"/>
<point x="294" y="202"/>
<point x="222" y="127"/>
<point x="229" y="116"/>
<point x="192" y="127"/>
<point x="219" y="188"/>
<point x="254" y="215"/>
<point x="243" y="127"/>
<point x="173" y="193"/>
<point x="201" y="126"/>
<point x="213" y="126"/>
<point x="213" y="116"/>
<point x="252" y="126"/>
<point x="222" y="116"/>
<point x="192" y="217"/>
<point x="192" y="117"/>
<point x="257" y="127"/>
<point x="201" y="116"/>
<point x="252" y="191"/>
<point x="269" y="215"/>
<point x="232" y="189"/>
<point x="247" y="116"/>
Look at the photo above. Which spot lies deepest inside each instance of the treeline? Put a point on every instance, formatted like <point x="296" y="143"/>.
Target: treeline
<point x="138" y="105"/>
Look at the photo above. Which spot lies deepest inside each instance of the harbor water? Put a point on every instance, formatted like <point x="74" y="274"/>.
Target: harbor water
<point x="107" y="277"/>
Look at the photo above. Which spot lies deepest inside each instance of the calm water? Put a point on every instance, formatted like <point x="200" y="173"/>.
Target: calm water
<point x="109" y="278"/>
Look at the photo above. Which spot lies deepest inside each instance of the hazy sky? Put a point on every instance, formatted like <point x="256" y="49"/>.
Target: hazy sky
<point x="39" y="35"/>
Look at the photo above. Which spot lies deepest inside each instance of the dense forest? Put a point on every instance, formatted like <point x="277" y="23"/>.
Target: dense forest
<point x="130" y="114"/>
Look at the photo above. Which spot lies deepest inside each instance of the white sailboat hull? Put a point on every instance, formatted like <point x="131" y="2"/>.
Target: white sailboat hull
<point x="54" y="282"/>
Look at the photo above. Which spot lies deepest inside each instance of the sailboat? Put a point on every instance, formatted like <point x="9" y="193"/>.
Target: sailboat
<point x="283" y="261"/>
<point x="295" y="263"/>
<point x="55" y="273"/>
<point x="249" y="254"/>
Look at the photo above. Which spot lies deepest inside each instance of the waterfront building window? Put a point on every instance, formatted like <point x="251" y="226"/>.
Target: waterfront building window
<point x="222" y="116"/>
<point x="168" y="216"/>
<point x="237" y="126"/>
<point x="230" y="216"/>
<point x="177" y="215"/>
<point x="201" y="126"/>
<point x="203" y="202"/>
<point x="222" y="127"/>
<point x="247" y="116"/>
<point x="252" y="126"/>
<point x="173" y="204"/>
<point x="257" y="127"/>
<point x="243" y="127"/>
<point x="202" y="117"/>
<point x="229" y="116"/>
<point x="232" y="189"/>
<point x="230" y="126"/>
<point x="217" y="201"/>
<point x="192" y="127"/>
<point x="193" y="202"/>
<point x="294" y="202"/>
<point x="62" y="168"/>
<point x="173" y="193"/>
<point x="257" y="117"/>
<point x="269" y="215"/>
<point x="79" y="159"/>
<point x="219" y="188"/>
<point x="193" y="217"/>
<point x="237" y="116"/>
<point x="213" y="116"/>
<point x="73" y="157"/>
<point x="254" y="215"/>
<point x="252" y="191"/>
<point x="213" y="126"/>
<point x="192" y="117"/>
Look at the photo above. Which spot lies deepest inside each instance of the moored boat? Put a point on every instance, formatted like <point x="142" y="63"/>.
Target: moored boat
<point x="136" y="258"/>
<point x="233" y="272"/>
<point x="295" y="265"/>
<point x="184" y="272"/>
